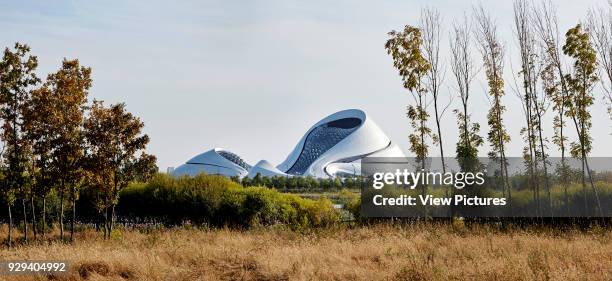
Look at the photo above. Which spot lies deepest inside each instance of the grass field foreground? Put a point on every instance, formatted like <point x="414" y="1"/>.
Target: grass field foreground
<point x="382" y="252"/>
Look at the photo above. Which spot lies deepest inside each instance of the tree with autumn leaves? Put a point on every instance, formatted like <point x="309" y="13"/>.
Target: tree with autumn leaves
<point x="51" y="140"/>
<point x="116" y="155"/>
<point x="17" y="80"/>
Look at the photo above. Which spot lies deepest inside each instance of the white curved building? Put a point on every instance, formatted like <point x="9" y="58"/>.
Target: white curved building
<point x="336" y="144"/>
<point x="332" y="147"/>
<point x="216" y="161"/>
<point x="265" y="169"/>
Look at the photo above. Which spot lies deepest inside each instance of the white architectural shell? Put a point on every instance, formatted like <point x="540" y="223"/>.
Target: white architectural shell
<point x="216" y="161"/>
<point x="336" y="144"/>
<point x="265" y="169"/>
<point x="332" y="147"/>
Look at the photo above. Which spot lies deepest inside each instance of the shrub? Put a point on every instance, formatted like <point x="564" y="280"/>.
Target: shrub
<point x="218" y="201"/>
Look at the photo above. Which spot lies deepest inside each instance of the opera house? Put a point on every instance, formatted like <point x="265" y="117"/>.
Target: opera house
<point x="332" y="147"/>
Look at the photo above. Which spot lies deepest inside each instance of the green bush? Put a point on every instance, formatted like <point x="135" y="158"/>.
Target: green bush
<point x="218" y="201"/>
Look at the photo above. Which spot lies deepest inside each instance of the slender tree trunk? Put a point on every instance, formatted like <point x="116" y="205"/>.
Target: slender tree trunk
<point x="543" y="151"/>
<point x="584" y="190"/>
<point x="25" y="220"/>
<point x="586" y="163"/>
<point x="422" y="131"/>
<point x="564" y="96"/>
<point x="10" y="230"/>
<point x="73" y="214"/>
<point x="112" y="220"/>
<point x="564" y="179"/>
<point x="44" y="217"/>
<point x="33" y="217"/>
<point x="446" y="191"/>
<point x="580" y="130"/>
<point x="106" y="235"/>
<point x="61" y="215"/>
<point x="465" y="128"/>
<point x="531" y="149"/>
<point x="503" y="167"/>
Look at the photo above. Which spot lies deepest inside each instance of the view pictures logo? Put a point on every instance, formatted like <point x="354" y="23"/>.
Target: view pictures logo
<point x="413" y="179"/>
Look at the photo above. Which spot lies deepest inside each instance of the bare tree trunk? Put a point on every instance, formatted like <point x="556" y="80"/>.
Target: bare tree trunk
<point x="112" y="220"/>
<point x="106" y="231"/>
<point x="543" y="151"/>
<point x="73" y="214"/>
<point x="10" y="230"/>
<point x="585" y="164"/>
<point x="44" y="217"/>
<point x="25" y="220"/>
<point x="33" y="217"/>
<point x="61" y="215"/>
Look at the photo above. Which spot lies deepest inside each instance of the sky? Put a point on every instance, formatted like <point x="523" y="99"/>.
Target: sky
<point x="254" y="76"/>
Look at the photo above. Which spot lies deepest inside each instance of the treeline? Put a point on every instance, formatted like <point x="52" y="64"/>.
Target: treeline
<point x="558" y="73"/>
<point x="297" y="184"/>
<point x="56" y="141"/>
<point x="203" y="200"/>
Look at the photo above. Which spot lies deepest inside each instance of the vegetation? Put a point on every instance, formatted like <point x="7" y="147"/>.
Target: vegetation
<point x="405" y="49"/>
<point x="62" y="150"/>
<point x="379" y="252"/>
<point x="544" y="81"/>
<point x="217" y="201"/>
<point x="54" y="141"/>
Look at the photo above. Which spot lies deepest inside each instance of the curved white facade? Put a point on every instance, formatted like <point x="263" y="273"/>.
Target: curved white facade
<point x="336" y="144"/>
<point x="216" y="161"/>
<point x="265" y="169"/>
<point x="332" y="147"/>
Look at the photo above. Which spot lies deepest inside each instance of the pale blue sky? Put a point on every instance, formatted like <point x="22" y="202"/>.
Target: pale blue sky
<point x="253" y="76"/>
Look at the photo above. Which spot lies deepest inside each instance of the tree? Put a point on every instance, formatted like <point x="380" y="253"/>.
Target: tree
<point x="17" y="78"/>
<point x="545" y="22"/>
<point x="405" y="49"/>
<point x="534" y="101"/>
<point x="39" y="132"/>
<point x="600" y="26"/>
<point x="115" y="152"/>
<point x="493" y="60"/>
<point x="464" y="71"/>
<point x="431" y="23"/>
<point x="578" y="46"/>
<point x="69" y="88"/>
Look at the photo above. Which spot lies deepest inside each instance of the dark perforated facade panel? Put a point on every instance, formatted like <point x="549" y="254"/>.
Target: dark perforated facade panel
<point x="320" y="140"/>
<point x="235" y="159"/>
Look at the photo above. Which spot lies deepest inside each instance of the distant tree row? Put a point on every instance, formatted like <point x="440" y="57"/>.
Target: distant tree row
<point x="295" y="183"/>
<point x="544" y="82"/>
<point x="54" y="140"/>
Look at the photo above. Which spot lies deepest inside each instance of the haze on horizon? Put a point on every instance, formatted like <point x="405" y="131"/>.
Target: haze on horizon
<point x="253" y="77"/>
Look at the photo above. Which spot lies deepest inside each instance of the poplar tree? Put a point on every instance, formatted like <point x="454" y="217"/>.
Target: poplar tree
<point x="545" y="22"/>
<point x="492" y="53"/>
<point x="579" y="48"/>
<point x="405" y="49"/>
<point x="534" y="101"/>
<point x="600" y="26"/>
<point x="17" y="78"/>
<point x="431" y="24"/>
<point x="464" y="71"/>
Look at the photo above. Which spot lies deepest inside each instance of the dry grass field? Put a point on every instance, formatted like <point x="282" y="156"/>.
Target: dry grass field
<point x="380" y="252"/>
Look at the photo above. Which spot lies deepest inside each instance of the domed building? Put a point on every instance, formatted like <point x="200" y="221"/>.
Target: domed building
<point x="216" y="161"/>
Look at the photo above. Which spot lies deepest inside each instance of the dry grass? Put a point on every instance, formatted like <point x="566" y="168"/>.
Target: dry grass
<point x="366" y="253"/>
